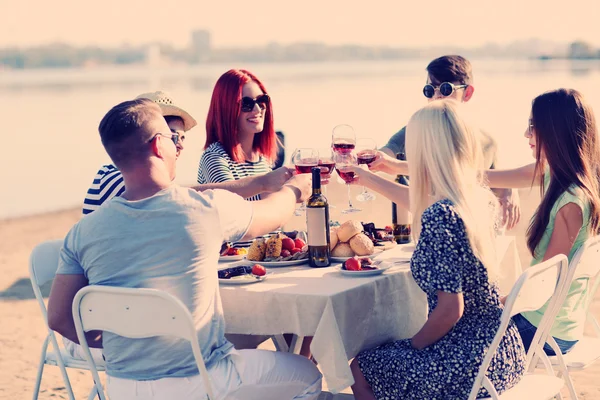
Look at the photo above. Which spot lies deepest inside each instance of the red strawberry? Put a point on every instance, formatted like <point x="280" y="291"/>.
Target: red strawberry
<point x="286" y="253"/>
<point x="258" y="270"/>
<point x="288" y="244"/>
<point x="299" y="243"/>
<point x="295" y="250"/>
<point x="353" y="264"/>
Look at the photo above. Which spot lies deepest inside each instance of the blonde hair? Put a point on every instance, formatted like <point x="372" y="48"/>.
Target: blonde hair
<point x="446" y="162"/>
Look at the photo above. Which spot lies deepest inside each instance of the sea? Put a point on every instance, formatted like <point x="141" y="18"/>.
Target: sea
<point x="51" y="149"/>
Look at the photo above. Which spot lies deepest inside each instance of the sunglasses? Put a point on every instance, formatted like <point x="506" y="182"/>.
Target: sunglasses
<point x="249" y="103"/>
<point x="173" y="136"/>
<point x="446" y="89"/>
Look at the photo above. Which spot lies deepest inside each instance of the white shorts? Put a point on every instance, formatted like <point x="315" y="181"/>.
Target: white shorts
<point x="244" y="375"/>
<point x="76" y="351"/>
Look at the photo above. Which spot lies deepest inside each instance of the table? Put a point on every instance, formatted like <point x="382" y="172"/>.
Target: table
<point x="343" y="314"/>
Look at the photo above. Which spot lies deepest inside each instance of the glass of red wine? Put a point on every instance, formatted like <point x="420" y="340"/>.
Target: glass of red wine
<point x="343" y="166"/>
<point x="327" y="164"/>
<point x="304" y="160"/>
<point x="343" y="139"/>
<point x="366" y="152"/>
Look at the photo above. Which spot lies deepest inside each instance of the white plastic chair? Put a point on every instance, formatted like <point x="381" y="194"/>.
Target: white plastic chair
<point x="585" y="264"/>
<point x="533" y="288"/>
<point x="43" y="263"/>
<point x="134" y="313"/>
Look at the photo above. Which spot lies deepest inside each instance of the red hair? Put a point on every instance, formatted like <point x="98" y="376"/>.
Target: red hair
<point x="223" y="114"/>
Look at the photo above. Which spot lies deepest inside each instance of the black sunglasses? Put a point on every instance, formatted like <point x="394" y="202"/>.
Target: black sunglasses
<point x="173" y="136"/>
<point x="446" y="89"/>
<point x="249" y="103"/>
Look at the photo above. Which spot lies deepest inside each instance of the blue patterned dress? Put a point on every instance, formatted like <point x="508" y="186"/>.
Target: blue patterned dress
<point x="443" y="261"/>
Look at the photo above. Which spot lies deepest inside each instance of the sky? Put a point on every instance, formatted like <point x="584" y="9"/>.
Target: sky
<point x="237" y="23"/>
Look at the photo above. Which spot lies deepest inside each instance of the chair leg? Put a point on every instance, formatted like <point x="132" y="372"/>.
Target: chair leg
<point x="93" y="393"/>
<point x="38" y="379"/>
<point x="570" y="386"/>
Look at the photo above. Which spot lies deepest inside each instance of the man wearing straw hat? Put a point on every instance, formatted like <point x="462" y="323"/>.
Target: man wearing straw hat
<point x="108" y="182"/>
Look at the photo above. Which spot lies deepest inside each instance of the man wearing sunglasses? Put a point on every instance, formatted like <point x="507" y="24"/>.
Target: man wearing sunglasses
<point x="160" y="235"/>
<point x="451" y="77"/>
<point x="108" y="182"/>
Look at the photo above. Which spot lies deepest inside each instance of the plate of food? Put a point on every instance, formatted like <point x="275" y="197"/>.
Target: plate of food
<point x="279" y="250"/>
<point x="242" y="274"/>
<point x="363" y="266"/>
<point x="229" y="253"/>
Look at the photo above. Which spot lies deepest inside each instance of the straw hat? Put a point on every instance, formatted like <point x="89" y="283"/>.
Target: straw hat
<point x="165" y="102"/>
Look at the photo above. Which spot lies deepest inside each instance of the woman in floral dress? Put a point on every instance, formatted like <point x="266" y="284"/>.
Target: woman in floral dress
<point x="453" y="263"/>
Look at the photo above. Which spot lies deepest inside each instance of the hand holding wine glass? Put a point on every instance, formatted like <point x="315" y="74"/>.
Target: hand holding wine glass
<point x="344" y="163"/>
<point x="366" y="154"/>
<point x="304" y="159"/>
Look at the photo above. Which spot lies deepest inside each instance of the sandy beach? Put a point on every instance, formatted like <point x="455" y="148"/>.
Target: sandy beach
<point x="23" y="331"/>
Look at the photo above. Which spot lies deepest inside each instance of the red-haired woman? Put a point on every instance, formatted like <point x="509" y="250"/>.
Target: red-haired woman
<point x="240" y="137"/>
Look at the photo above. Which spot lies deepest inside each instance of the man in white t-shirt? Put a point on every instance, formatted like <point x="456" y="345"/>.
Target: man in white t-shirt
<point x="160" y="235"/>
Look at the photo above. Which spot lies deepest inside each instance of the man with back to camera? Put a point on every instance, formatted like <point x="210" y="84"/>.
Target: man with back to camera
<point x="160" y="235"/>
<point x="451" y="76"/>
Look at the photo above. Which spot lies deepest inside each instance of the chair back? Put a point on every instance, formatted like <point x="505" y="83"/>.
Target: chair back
<point x="535" y="286"/>
<point x="586" y="264"/>
<point x="135" y="313"/>
<point x="43" y="262"/>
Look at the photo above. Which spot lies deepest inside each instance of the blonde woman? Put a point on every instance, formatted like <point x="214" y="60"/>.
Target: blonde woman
<point x="453" y="263"/>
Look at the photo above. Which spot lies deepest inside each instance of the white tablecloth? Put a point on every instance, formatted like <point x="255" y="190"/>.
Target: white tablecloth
<point x="343" y="314"/>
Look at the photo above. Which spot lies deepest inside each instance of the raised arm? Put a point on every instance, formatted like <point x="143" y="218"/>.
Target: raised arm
<point x="521" y="177"/>
<point x="393" y="191"/>
<point x="252" y="185"/>
<point x="274" y="211"/>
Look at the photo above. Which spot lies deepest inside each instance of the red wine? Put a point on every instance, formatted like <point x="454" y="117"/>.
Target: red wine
<point x="343" y="147"/>
<point x="346" y="174"/>
<point x="326" y="166"/>
<point x="366" y="157"/>
<point x="304" y="168"/>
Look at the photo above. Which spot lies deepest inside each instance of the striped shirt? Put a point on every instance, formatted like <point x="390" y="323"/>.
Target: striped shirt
<point x="216" y="166"/>
<point x="108" y="183"/>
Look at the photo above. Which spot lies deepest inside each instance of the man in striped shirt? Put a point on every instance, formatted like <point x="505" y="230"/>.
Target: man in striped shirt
<point x="108" y="182"/>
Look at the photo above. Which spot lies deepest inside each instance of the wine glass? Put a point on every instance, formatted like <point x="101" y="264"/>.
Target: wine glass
<point x="327" y="164"/>
<point x="343" y="164"/>
<point x="304" y="160"/>
<point x="343" y="139"/>
<point x="366" y="152"/>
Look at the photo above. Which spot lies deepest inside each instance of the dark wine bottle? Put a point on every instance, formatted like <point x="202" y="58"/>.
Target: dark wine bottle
<point x="400" y="215"/>
<point x="317" y="224"/>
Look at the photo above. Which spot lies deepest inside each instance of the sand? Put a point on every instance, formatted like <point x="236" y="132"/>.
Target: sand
<point x="22" y="330"/>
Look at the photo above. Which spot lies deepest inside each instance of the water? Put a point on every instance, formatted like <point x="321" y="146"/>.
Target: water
<point x="51" y="148"/>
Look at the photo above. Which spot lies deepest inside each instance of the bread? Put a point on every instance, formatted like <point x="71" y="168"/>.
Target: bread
<point x="274" y="245"/>
<point x="362" y="245"/>
<point x="342" y="250"/>
<point x="256" y="252"/>
<point x="333" y="238"/>
<point x="348" y="229"/>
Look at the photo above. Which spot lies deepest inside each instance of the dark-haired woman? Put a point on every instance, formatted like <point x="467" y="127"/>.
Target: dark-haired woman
<point x="564" y="140"/>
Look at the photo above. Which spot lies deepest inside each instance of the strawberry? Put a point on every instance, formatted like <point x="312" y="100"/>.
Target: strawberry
<point x="288" y="244"/>
<point x="258" y="270"/>
<point x="353" y="264"/>
<point x="286" y="252"/>
<point x="295" y="250"/>
<point x="299" y="243"/>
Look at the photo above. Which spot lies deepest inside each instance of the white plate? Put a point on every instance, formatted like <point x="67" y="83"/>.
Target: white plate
<point x="366" y="272"/>
<point x="243" y="279"/>
<point x="275" y="264"/>
<point x="232" y="258"/>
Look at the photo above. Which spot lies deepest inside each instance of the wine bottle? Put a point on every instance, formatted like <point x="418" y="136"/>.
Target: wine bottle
<point x="401" y="216"/>
<point x="317" y="224"/>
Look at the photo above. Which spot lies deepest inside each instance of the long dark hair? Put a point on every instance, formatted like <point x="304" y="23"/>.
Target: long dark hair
<point x="567" y="140"/>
